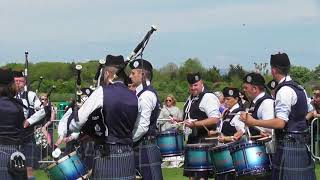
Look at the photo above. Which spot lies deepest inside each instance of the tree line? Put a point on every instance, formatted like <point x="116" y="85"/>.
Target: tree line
<point x="169" y="79"/>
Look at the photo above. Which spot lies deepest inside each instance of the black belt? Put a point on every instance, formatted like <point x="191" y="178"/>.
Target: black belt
<point x="146" y="140"/>
<point x="294" y="138"/>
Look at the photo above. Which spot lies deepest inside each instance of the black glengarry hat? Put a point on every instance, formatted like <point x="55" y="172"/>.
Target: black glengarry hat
<point x="193" y="77"/>
<point x="18" y="74"/>
<point x="6" y="76"/>
<point x="114" y="60"/>
<point x="254" y="79"/>
<point x="280" y="60"/>
<point x="231" y="92"/>
<point x="141" y="64"/>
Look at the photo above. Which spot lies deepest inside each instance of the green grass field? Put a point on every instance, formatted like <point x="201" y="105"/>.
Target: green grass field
<point x="168" y="174"/>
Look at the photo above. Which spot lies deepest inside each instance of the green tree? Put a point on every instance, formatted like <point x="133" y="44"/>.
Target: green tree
<point x="300" y="74"/>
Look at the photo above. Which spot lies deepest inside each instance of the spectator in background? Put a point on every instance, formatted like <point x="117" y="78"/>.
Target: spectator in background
<point x="220" y="96"/>
<point x="169" y="111"/>
<point x="316" y="102"/>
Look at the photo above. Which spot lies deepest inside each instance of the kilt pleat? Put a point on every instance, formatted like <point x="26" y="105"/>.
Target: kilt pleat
<point x="292" y="161"/>
<point x="148" y="160"/>
<point x="119" y="164"/>
<point x="32" y="153"/>
<point x="5" y="153"/>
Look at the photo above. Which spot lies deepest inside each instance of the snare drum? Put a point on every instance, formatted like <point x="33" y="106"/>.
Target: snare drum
<point x="221" y="159"/>
<point x="250" y="159"/>
<point x="197" y="157"/>
<point x="170" y="143"/>
<point x="69" y="167"/>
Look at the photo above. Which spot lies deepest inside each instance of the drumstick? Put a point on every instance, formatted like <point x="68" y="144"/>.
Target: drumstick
<point x="211" y="138"/>
<point x="205" y="128"/>
<point x="256" y="137"/>
<point x="234" y="114"/>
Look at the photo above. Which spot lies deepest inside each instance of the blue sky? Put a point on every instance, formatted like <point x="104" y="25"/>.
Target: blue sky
<point x="217" y="32"/>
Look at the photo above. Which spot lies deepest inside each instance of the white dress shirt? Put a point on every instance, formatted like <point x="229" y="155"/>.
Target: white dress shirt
<point x="285" y="98"/>
<point x="265" y="110"/>
<point x="94" y="102"/>
<point x="235" y="122"/>
<point x="146" y="104"/>
<point x="209" y="104"/>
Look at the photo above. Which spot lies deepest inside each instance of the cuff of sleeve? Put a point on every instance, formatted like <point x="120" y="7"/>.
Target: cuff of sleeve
<point x="31" y="121"/>
<point x="282" y="116"/>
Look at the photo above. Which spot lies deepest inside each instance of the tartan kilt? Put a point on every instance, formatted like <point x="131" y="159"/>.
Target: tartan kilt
<point x="119" y="164"/>
<point x="148" y="159"/>
<point x="5" y="153"/>
<point x="292" y="161"/>
<point x="88" y="154"/>
<point x="32" y="153"/>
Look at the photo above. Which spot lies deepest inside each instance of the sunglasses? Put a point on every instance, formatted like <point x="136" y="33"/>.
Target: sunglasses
<point x="168" y="100"/>
<point x="43" y="99"/>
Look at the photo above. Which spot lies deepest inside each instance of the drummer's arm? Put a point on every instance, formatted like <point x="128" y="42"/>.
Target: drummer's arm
<point x="210" y="105"/>
<point x="94" y="102"/>
<point x="206" y="122"/>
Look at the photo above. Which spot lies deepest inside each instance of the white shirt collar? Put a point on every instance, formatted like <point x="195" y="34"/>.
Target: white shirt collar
<point x="140" y="87"/>
<point x="287" y="78"/>
<point x="234" y="107"/>
<point x="258" y="97"/>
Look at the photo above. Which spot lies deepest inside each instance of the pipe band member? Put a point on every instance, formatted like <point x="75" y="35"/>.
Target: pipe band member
<point x="201" y="113"/>
<point x="115" y="159"/>
<point x="147" y="152"/>
<point x="11" y="126"/>
<point x="292" y="159"/>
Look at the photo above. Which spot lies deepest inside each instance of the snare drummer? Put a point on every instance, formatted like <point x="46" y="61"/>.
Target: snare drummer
<point x="292" y="159"/>
<point x="231" y="127"/>
<point x="201" y="114"/>
<point x="262" y="104"/>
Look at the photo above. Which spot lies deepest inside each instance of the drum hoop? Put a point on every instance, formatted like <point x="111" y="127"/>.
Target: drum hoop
<point x="248" y="144"/>
<point x="225" y="172"/>
<point x="254" y="171"/>
<point x="52" y="165"/>
<point x="169" y="132"/>
<point x="86" y="175"/>
<point x="220" y="148"/>
<point x="172" y="154"/>
<point x="67" y="157"/>
<point x="200" y="145"/>
<point x="201" y="169"/>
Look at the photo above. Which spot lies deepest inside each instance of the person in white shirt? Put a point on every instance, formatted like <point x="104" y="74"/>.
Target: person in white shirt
<point x="201" y="114"/>
<point x="169" y="111"/>
<point x="292" y="159"/>
<point x="262" y="104"/>
<point x="147" y="152"/>
<point x="231" y="127"/>
<point x="33" y="113"/>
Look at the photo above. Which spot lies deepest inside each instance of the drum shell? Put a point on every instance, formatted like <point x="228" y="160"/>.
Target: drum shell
<point x="221" y="159"/>
<point x="68" y="167"/>
<point x="197" y="157"/>
<point x="250" y="158"/>
<point x="171" y="143"/>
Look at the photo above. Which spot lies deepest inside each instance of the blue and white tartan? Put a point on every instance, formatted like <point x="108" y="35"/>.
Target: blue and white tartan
<point x="5" y="153"/>
<point x="292" y="161"/>
<point x="119" y="164"/>
<point x="32" y="153"/>
<point x="148" y="159"/>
